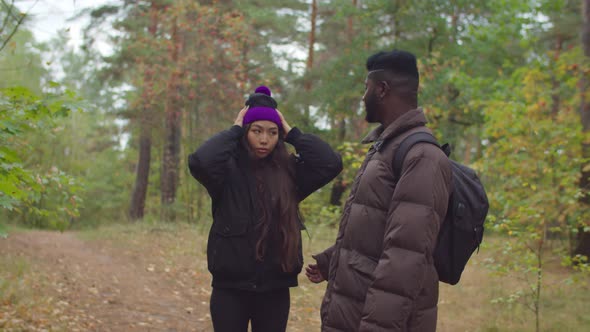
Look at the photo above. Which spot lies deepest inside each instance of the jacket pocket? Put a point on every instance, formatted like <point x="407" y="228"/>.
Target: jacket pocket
<point x="362" y="264"/>
<point x="229" y="251"/>
<point x="238" y="228"/>
<point x="355" y="274"/>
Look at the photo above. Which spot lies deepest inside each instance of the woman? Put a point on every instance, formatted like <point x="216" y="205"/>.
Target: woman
<point x="254" y="247"/>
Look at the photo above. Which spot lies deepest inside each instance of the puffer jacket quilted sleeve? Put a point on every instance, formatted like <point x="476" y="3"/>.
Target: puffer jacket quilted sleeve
<point x="323" y="261"/>
<point x="209" y="163"/>
<point x="418" y="206"/>
<point x="317" y="164"/>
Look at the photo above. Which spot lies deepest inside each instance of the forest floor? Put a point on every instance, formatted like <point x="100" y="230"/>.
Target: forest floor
<point x="154" y="278"/>
<point x="100" y="285"/>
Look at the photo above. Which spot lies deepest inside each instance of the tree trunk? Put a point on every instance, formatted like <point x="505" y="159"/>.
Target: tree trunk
<point x="358" y="125"/>
<point x="171" y="153"/>
<point x="311" y="44"/>
<point x="142" y="171"/>
<point x="307" y="84"/>
<point x="338" y="189"/>
<point x="583" y="247"/>
<point x="170" y="164"/>
<point x="338" y="185"/>
<point x="468" y="147"/>
<point x="350" y="24"/>
<point x="395" y="24"/>
<point x="555" y="107"/>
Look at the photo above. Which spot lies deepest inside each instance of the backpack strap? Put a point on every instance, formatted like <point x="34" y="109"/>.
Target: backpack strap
<point x="407" y="144"/>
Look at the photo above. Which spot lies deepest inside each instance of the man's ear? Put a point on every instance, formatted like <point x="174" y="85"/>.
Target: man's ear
<point x="384" y="86"/>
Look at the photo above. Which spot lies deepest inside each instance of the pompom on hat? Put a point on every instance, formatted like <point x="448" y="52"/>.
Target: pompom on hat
<point x="264" y="90"/>
<point x="262" y="107"/>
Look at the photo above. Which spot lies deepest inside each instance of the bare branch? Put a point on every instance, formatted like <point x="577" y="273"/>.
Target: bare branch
<point x="19" y="22"/>
<point x="8" y="14"/>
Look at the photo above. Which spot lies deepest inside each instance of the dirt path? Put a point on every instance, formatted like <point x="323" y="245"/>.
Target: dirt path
<point x="154" y="278"/>
<point x="99" y="287"/>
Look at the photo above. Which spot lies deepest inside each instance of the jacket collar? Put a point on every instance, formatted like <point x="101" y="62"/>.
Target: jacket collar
<point x="411" y="119"/>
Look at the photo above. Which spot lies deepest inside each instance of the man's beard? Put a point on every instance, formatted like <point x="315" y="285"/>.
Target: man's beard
<point x="371" y="107"/>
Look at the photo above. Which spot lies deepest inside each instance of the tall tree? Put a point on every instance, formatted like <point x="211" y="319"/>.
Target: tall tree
<point x="583" y="247"/>
<point x="172" y="129"/>
<point x="142" y="170"/>
<point x="308" y="79"/>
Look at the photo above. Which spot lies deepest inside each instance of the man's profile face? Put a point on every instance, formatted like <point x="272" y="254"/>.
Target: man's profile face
<point x="370" y="100"/>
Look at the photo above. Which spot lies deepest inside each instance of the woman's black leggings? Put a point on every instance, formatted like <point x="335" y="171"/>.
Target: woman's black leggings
<point x="232" y="309"/>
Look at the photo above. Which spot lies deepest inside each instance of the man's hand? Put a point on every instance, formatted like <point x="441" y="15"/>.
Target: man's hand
<point x="240" y="118"/>
<point x="313" y="273"/>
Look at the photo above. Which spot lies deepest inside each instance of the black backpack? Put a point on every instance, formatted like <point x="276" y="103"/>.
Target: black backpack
<point x="461" y="231"/>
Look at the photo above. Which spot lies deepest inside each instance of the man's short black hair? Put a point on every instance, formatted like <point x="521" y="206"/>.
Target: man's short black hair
<point x="397" y="62"/>
<point x="399" y="69"/>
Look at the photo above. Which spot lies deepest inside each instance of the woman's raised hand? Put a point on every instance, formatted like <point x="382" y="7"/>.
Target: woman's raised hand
<point x="286" y="126"/>
<point x="240" y="118"/>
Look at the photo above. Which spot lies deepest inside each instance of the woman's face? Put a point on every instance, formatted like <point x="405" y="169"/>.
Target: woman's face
<point x="263" y="137"/>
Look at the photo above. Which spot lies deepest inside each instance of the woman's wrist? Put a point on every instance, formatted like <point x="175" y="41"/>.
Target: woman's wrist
<point x="287" y="128"/>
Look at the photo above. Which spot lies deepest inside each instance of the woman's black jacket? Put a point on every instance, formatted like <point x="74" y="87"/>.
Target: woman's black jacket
<point x="221" y="165"/>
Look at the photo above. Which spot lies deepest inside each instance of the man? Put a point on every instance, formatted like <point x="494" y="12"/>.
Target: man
<point x="380" y="271"/>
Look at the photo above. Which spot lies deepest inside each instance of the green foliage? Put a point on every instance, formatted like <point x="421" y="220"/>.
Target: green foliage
<point x="532" y="161"/>
<point x="537" y="157"/>
<point x="352" y="155"/>
<point x="47" y="194"/>
<point x="55" y="204"/>
<point x="20" y="66"/>
<point x="316" y="212"/>
<point x="578" y="263"/>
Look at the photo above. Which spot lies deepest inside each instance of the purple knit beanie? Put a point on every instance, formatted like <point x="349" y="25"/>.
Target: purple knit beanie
<point x="262" y="107"/>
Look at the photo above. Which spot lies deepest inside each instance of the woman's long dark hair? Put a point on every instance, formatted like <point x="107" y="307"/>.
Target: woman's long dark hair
<point x="275" y="180"/>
